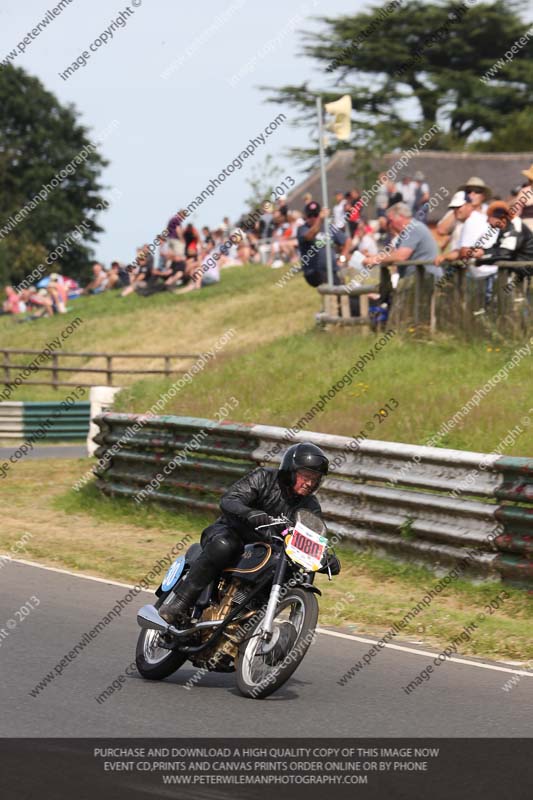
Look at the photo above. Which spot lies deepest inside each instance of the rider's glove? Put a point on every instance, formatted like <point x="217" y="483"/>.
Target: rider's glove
<point x="258" y="518"/>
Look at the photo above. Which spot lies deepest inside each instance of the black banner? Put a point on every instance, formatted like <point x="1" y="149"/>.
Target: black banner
<point x="85" y="769"/>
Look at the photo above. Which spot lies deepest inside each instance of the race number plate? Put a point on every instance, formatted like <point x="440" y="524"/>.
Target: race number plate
<point x="306" y="547"/>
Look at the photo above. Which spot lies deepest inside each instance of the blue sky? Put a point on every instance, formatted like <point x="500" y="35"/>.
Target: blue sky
<point x="176" y="132"/>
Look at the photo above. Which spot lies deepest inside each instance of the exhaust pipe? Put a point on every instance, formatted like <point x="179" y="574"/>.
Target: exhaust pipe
<point x="148" y="617"/>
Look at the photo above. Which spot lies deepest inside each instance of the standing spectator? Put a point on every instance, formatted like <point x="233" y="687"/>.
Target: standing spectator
<point x="265" y="224"/>
<point x="353" y="208"/>
<point x="475" y="232"/>
<point x="478" y="192"/>
<point x="312" y="239"/>
<point x="420" y="207"/>
<point x="383" y="195"/>
<point x="338" y="211"/>
<point x="413" y="241"/>
<point x="407" y="188"/>
<point x="192" y="241"/>
<point x="524" y="200"/>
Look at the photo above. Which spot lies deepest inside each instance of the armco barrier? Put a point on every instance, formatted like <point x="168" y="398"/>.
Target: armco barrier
<point x="48" y="421"/>
<point x="392" y="497"/>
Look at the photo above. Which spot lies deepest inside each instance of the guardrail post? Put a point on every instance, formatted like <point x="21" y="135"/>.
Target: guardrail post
<point x="167" y="366"/>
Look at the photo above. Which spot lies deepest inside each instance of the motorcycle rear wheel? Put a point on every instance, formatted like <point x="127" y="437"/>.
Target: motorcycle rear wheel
<point x="263" y="667"/>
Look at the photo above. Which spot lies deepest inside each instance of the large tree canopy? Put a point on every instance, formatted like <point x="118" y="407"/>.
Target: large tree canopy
<point x="39" y="138"/>
<point x="420" y="63"/>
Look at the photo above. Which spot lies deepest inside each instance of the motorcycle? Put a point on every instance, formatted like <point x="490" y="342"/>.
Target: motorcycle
<point x="258" y="618"/>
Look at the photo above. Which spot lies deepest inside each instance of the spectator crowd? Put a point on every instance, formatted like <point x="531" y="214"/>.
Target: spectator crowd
<point x="477" y="230"/>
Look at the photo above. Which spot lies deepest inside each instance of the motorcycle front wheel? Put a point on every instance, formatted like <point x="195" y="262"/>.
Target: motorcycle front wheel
<point x="262" y="666"/>
<point x="153" y="661"/>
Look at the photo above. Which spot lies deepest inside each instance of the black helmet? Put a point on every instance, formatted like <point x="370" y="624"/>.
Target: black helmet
<point x="302" y="456"/>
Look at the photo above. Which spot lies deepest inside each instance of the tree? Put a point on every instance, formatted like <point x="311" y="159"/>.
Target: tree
<point x="39" y="138"/>
<point x="417" y="64"/>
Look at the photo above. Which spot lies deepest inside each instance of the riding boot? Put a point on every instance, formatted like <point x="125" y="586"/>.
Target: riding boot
<point x="217" y="554"/>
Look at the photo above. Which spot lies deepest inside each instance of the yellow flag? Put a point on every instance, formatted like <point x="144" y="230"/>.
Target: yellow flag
<point x="342" y="124"/>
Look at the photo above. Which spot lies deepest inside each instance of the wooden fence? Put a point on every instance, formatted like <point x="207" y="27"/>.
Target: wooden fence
<point x="12" y="370"/>
<point x="453" y="303"/>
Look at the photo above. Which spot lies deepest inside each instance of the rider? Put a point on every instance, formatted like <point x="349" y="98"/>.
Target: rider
<point x="248" y="504"/>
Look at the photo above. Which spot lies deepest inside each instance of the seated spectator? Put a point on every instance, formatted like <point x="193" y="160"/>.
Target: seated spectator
<point x="14" y="303"/>
<point x="57" y="290"/>
<point x="413" y="241"/>
<point x="38" y="301"/>
<point x="206" y="233"/>
<point x="207" y="273"/>
<point x="118" y="276"/>
<point x="99" y="281"/>
<point x="140" y="278"/>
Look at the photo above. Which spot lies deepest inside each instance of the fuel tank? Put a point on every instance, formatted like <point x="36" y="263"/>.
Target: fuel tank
<point x="255" y="561"/>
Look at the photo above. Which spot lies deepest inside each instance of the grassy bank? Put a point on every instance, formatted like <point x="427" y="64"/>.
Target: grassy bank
<point x="277" y="364"/>
<point x="115" y="539"/>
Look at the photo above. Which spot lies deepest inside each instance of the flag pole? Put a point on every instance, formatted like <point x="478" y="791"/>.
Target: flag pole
<point x="325" y="203"/>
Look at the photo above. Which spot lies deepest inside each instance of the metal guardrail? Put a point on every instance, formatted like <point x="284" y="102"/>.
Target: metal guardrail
<point x="44" y="421"/>
<point x="388" y="496"/>
<point x="109" y="371"/>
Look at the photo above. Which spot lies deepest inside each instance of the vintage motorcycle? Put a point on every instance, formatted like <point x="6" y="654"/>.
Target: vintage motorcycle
<point x="258" y="618"/>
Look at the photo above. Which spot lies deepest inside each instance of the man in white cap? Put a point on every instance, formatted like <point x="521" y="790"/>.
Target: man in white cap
<point x="478" y="193"/>
<point x="475" y="232"/>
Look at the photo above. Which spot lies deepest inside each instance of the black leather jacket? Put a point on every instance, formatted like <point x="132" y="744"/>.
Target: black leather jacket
<point x="260" y="491"/>
<point x="514" y="243"/>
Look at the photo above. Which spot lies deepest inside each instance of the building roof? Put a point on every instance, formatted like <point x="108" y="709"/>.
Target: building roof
<point x="500" y="171"/>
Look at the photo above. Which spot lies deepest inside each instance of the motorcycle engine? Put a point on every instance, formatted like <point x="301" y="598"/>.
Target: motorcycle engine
<point x="221" y="657"/>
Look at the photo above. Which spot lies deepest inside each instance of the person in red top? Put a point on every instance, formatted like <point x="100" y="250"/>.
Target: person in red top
<point x="352" y="208"/>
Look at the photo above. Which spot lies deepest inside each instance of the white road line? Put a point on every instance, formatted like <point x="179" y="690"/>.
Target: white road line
<point x="75" y="574"/>
<point x="425" y="653"/>
<point x="319" y="630"/>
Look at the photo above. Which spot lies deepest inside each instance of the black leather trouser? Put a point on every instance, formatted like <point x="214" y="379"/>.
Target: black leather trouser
<point x="221" y="547"/>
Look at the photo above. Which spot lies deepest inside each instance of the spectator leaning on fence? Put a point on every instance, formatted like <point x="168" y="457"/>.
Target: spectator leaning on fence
<point x="514" y="241"/>
<point x="475" y="230"/>
<point x="413" y="241"/>
<point x="524" y="199"/>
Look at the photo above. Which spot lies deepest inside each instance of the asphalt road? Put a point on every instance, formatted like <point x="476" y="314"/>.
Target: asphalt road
<point x="47" y="451"/>
<point x="460" y="700"/>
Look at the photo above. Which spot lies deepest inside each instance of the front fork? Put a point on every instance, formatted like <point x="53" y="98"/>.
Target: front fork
<point x="273" y="600"/>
